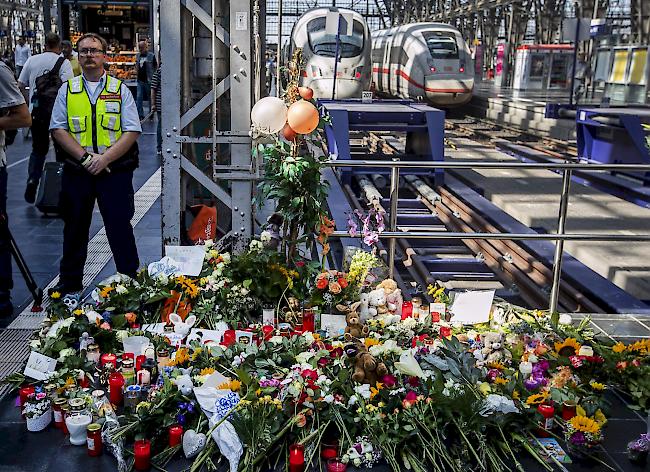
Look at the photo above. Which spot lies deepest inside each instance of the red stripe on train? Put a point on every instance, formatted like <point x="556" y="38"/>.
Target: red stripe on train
<point x="413" y="82"/>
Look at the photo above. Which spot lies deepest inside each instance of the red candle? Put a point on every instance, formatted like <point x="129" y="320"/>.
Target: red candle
<point x="335" y="465"/>
<point x="329" y="450"/>
<point x="138" y="362"/>
<point x="175" y="435"/>
<point x="568" y="412"/>
<point x="116" y="383"/>
<point x="142" y="453"/>
<point x="109" y="358"/>
<point x="229" y="337"/>
<point x="25" y="392"/>
<point x="83" y="381"/>
<point x="296" y="458"/>
<point x="407" y="309"/>
<point x="308" y="320"/>
<point x="445" y="331"/>
<point x="268" y="332"/>
<point x="547" y="412"/>
<point x="128" y="355"/>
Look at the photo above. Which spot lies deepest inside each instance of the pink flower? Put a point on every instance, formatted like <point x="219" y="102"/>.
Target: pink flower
<point x="105" y="326"/>
<point x="323" y="361"/>
<point x="411" y="396"/>
<point x="389" y="381"/>
<point x="413" y="381"/>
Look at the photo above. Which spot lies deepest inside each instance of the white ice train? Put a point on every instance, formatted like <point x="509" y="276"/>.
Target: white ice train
<point x="428" y="61"/>
<point x="318" y="50"/>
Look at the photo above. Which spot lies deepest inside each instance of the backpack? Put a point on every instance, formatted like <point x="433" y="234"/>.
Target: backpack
<point x="45" y="90"/>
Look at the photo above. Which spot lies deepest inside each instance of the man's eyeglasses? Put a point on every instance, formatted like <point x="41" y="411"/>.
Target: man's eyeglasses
<point x="90" y="52"/>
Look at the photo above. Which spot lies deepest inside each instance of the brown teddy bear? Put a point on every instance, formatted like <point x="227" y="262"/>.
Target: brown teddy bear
<point x="355" y="328"/>
<point x="366" y="368"/>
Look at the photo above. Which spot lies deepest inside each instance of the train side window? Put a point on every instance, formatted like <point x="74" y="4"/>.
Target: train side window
<point x="441" y="44"/>
<point x="398" y="56"/>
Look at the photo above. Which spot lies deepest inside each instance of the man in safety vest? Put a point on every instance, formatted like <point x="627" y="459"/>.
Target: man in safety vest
<point x="95" y="122"/>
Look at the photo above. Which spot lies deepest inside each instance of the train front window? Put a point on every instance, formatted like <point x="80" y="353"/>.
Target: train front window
<point x="441" y="45"/>
<point x="324" y="44"/>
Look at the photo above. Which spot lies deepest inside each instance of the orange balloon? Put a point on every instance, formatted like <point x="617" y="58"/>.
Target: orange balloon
<point x="306" y="92"/>
<point x="288" y="133"/>
<point x="303" y="117"/>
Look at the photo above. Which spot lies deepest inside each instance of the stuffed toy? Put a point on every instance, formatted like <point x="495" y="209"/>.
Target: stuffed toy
<point x="182" y="327"/>
<point x="366" y="368"/>
<point x="364" y="307"/>
<point x="355" y="328"/>
<point x="393" y="296"/>
<point x="184" y="381"/>
<point x="377" y="302"/>
<point x="494" y="348"/>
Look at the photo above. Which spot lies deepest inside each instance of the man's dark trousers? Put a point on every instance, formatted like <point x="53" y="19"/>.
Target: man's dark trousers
<point x="114" y="194"/>
<point x="6" y="282"/>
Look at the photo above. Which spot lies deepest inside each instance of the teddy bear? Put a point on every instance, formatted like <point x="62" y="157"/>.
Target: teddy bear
<point x="494" y="348"/>
<point x="377" y="302"/>
<point x="355" y="328"/>
<point x="393" y="296"/>
<point x="367" y="369"/>
<point x="364" y="307"/>
<point x="182" y="327"/>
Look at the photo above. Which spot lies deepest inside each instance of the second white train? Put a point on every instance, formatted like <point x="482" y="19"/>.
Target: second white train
<point x="425" y="61"/>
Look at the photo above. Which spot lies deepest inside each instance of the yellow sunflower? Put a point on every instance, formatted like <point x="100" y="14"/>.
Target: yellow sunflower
<point x="516" y="395"/>
<point x="584" y="424"/>
<point x="500" y="381"/>
<point x="537" y="398"/>
<point x="55" y="295"/>
<point x="597" y="385"/>
<point x="233" y="385"/>
<point x="182" y="356"/>
<point x="496" y="365"/>
<point x="569" y="347"/>
<point x="618" y="347"/>
<point x="371" y="342"/>
<point x="105" y="291"/>
<point x="206" y="371"/>
<point x="642" y="347"/>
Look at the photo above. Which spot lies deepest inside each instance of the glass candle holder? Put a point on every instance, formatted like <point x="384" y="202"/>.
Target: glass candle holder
<point x="175" y="435"/>
<point x="296" y="458"/>
<point x="335" y="465"/>
<point x="116" y="384"/>
<point x="142" y="454"/>
<point x="109" y="358"/>
<point x="329" y="450"/>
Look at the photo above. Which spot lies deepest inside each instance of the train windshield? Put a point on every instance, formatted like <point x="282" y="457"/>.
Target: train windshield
<point x="324" y="44"/>
<point x="441" y="44"/>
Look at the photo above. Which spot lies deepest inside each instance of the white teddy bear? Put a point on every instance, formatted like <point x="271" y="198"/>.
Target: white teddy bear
<point x="364" y="307"/>
<point x="377" y="302"/>
<point x="182" y="327"/>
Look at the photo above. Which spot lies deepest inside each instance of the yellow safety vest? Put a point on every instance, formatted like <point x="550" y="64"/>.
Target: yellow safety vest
<point x="95" y="127"/>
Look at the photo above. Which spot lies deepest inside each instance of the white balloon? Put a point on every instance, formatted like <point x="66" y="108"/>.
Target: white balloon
<point x="269" y="115"/>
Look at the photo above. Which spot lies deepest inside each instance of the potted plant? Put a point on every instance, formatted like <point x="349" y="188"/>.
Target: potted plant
<point x="37" y="412"/>
<point x="637" y="451"/>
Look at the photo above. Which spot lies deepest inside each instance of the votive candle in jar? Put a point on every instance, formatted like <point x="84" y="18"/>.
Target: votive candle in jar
<point x="128" y="371"/>
<point x="296" y="458"/>
<point x="329" y="450"/>
<point x="143" y="377"/>
<point x="94" y="439"/>
<point x="109" y="358"/>
<point x="142" y="454"/>
<point x="57" y="409"/>
<point x="335" y="465"/>
<point x="92" y="353"/>
<point x="175" y="435"/>
<point x="407" y="309"/>
<point x="308" y="320"/>
<point x="25" y="392"/>
<point x="163" y="358"/>
<point x="139" y="360"/>
<point x="116" y="384"/>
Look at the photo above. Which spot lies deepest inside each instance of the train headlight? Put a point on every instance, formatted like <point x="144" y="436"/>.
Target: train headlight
<point x="433" y="69"/>
<point x="461" y="69"/>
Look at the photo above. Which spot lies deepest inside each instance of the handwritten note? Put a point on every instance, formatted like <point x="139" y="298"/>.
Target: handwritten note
<point x="334" y="325"/>
<point x="39" y="367"/>
<point x="165" y="266"/>
<point x="472" y="307"/>
<point x="154" y="328"/>
<point x="188" y="258"/>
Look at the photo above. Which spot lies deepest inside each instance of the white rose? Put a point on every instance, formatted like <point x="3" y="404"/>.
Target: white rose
<point x="309" y="337"/>
<point x="526" y="368"/>
<point x="121" y="335"/>
<point x="363" y="390"/>
<point x="303" y="357"/>
<point x="565" y="319"/>
<point x="63" y="353"/>
<point x="265" y="237"/>
<point x="532" y="358"/>
<point x="121" y="289"/>
<point x="328" y="398"/>
<point x="276" y="339"/>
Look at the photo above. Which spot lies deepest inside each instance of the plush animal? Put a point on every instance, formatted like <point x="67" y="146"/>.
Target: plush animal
<point x="367" y="369"/>
<point x="182" y="327"/>
<point x="377" y="302"/>
<point x="184" y="381"/>
<point x="355" y="328"/>
<point x="364" y="307"/>
<point x="494" y="348"/>
<point x="394" y="298"/>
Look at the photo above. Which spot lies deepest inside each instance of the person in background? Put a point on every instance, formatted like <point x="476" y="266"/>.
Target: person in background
<point x="98" y="163"/>
<point x="145" y="67"/>
<point x="14" y="114"/>
<point x="68" y="53"/>
<point x="156" y="105"/>
<point x="21" y="54"/>
<point x="35" y="67"/>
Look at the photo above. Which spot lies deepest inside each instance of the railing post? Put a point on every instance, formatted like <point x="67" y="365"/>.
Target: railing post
<point x="559" y="246"/>
<point x="394" y="196"/>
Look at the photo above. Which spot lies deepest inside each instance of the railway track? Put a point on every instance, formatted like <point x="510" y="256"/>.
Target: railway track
<point x="505" y="266"/>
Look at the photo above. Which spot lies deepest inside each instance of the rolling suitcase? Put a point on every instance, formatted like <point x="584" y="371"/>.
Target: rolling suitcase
<point x="47" y="198"/>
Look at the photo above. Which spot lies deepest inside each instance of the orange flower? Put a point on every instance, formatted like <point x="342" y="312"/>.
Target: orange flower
<point x="301" y="420"/>
<point x="335" y="288"/>
<point x="343" y="282"/>
<point x="321" y="284"/>
<point x="130" y="317"/>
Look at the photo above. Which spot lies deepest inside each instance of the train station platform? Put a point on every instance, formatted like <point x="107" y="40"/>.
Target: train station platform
<point x="533" y="196"/>
<point x="522" y="109"/>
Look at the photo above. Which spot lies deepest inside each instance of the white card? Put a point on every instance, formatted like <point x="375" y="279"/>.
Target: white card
<point x="39" y="367"/>
<point x="166" y="266"/>
<point x="188" y="258"/>
<point x="333" y="325"/>
<point x="205" y="336"/>
<point x="472" y="307"/>
<point x="439" y="308"/>
<point x="244" y="337"/>
<point x="155" y="328"/>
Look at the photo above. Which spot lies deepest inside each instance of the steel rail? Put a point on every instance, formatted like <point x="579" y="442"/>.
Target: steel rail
<point x="488" y="165"/>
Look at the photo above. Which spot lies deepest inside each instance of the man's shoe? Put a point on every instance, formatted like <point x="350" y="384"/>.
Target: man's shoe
<point x="6" y="307"/>
<point x="62" y="289"/>
<point x="30" y="191"/>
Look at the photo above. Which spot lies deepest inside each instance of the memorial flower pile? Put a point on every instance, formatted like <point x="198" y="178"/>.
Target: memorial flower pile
<point x="410" y="391"/>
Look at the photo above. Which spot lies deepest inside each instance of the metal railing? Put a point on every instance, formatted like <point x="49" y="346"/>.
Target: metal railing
<point x="567" y="168"/>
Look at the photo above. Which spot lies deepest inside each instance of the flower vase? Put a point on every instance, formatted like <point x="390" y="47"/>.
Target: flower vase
<point x="39" y="423"/>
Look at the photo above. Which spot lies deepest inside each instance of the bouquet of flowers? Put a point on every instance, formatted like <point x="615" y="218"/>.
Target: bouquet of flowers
<point x="36" y="405"/>
<point x="332" y="288"/>
<point x="583" y="432"/>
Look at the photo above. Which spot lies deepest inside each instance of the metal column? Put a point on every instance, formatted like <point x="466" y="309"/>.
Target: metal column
<point x="231" y="71"/>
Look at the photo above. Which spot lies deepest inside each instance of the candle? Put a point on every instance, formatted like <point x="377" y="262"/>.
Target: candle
<point x="329" y="450"/>
<point x="229" y="337"/>
<point x="139" y="360"/>
<point x="335" y="465"/>
<point x="128" y="355"/>
<point x="407" y="309"/>
<point x="268" y="332"/>
<point x="445" y="331"/>
<point x="25" y="392"/>
<point x="109" y="358"/>
<point x="175" y="435"/>
<point x="296" y="458"/>
<point x="142" y="453"/>
<point x="116" y="383"/>
<point x="144" y="377"/>
<point x="308" y="320"/>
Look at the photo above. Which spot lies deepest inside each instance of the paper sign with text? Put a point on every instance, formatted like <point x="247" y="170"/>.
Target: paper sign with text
<point x="334" y="325"/>
<point x="39" y="367"/>
<point x="188" y="258"/>
<point x="472" y="307"/>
